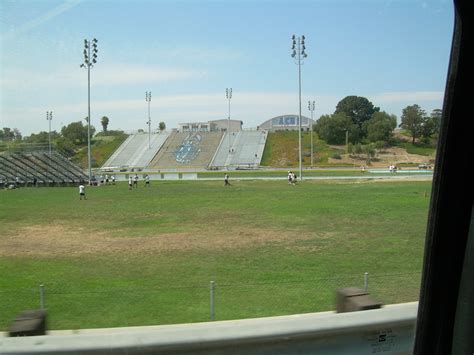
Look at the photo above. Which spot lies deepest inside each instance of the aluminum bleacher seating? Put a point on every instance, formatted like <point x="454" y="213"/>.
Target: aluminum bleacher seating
<point x="241" y="149"/>
<point x="40" y="167"/>
<point x="136" y="151"/>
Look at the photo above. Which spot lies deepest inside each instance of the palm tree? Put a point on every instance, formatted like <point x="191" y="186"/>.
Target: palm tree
<point x="105" y="123"/>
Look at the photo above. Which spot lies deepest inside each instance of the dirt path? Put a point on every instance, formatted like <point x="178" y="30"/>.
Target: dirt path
<point x="389" y="156"/>
<point x="61" y="240"/>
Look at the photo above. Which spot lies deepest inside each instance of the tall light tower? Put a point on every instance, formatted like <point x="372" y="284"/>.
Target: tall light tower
<point x="88" y="64"/>
<point x="49" y="117"/>
<point x="311" y="107"/>
<point x="299" y="55"/>
<point x="148" y="99"/>
<point x="228" y="95"/>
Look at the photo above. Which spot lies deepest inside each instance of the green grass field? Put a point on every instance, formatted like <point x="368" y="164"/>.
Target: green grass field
<point x="146" y="256"/>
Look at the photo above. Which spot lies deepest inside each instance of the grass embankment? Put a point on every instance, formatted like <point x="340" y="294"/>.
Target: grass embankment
<point x="146" y="256"/>
<point x="281" y="150"/>
<point x="418" y="149"/>
<point x="102" y="147"/>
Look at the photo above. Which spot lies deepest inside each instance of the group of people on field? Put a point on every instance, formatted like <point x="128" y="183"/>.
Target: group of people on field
<point x="133" y="181"/>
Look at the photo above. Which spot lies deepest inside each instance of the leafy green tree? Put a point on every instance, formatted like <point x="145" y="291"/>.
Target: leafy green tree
<point x="76" y="132"/>
<point x="369" y="151"/>
<point x="65" y="146"/>
<point x="105" y="122"/>
<point x="41" y="137"/>
<point x="414" y="120"/>
<point x="162" y="126"/>
<point x="6" y="134"/>
<point x="359" y="109"/>
<point x="380" y="127"/>
<point x="358" y="148"/>
<point x="434" y="123"/>
<point x="350" y="148"/>
<point x="9" y="134"/>
<point x="332" y="128"/>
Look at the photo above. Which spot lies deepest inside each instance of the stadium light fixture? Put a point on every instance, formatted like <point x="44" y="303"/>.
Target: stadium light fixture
<point x="298" y="52"/>
<point x="228" y="95"/>
<point x="311" y="107"/>
<point x="49" y="117"/>
<point x="148" y="99"/>
<point x="89" y="64"/>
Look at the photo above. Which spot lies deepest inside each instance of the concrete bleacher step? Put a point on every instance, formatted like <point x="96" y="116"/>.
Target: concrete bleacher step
<point x="246" y="148"/>
<point x="137" y="151"/>
<point x="188" y="149"/>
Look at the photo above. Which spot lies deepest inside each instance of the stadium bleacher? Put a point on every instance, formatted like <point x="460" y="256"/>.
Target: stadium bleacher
<point x="44" y="168"/>
<point x="135" y="152"/>
<point x="241" y="149"/>
<point x="187" y="150"/>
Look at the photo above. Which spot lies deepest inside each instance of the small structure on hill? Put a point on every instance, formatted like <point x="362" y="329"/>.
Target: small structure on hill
<point x="286" y="123"/>
<point x="223" y="125"/>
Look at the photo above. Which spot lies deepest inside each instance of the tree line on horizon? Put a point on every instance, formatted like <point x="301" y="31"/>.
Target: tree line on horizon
<point x="68" y="140"/>
<point x="355" y="121"/>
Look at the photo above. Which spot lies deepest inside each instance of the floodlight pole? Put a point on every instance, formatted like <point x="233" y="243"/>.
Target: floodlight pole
<point x="148" y="99"/>
<point x="228" y="95"/>
<point x="299" y="55"/>
<point x="88" y="64"/>
<point x="49" y="117"/>
<point x="311" y="107"/>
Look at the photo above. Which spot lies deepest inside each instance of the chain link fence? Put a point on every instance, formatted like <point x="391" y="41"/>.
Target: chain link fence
<point x="94" y="306"/>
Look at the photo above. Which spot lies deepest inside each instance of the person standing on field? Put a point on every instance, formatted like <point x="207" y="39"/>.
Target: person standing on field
<point x="130" y="182"/>
<point x="290" y="177"/>
<point x="82" y="192"/>
<point x="226" y="180"/>
<point x="147" y="180"/>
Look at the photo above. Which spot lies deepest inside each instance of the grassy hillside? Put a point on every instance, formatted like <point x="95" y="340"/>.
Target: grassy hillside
<point x="102" y="147"/>
<point x="281" y="150"/>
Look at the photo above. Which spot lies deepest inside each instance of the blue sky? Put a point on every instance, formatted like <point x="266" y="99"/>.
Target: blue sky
<point x="187" y="53"/>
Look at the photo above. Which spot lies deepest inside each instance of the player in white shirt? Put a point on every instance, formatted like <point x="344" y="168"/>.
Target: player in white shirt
<point x="82" y="192"/>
